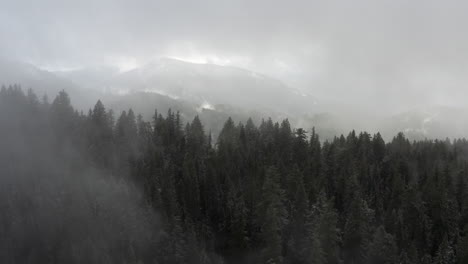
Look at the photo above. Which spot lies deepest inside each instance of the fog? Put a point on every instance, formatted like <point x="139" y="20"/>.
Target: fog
<point x="56" y="207"/>
<point x="384" y="55"/>
<point x="171" y="131"/>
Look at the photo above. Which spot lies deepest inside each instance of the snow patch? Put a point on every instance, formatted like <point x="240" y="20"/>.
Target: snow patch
<point x="205" y="105"/>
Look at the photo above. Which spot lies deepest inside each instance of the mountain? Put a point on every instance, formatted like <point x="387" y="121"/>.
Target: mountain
<point x="213" y="118"/>
<point x="213" y="92"/>
<point x="43" y="82"/>
<point x="429" y="122"/>
<point x="216" y="92"/>
<point x="90" y="78"/>
<point x="209" y="84"/>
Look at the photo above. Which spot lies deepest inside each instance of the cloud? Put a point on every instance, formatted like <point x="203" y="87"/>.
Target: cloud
<point x="379" y="53"/>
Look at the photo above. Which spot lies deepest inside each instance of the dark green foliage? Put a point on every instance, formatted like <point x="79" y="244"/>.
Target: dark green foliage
<point x="266" y="194"/>
<point x="272" y="218"/>
<point x="462" y="247"/>
<point x="357" y="231"/>
<point x="383" y="248"/>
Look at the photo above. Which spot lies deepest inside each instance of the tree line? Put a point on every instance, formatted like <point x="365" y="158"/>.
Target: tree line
<point x="255" y="194"/>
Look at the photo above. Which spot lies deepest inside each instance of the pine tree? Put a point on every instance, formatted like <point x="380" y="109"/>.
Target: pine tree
<point x="462" y="252"/>
<point x="62" y="115"/>
<point x="383" y="248"/>
<point x="100" y="136"/>
<point x="445" y="253"/>
<point x="273" y="218"/>
<point x="357" y="231"/>
<point x="299" y="244"/>
<point x="326" y="229"/>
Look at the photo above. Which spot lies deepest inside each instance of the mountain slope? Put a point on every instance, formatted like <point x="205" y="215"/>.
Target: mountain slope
<point x="430" y="122"/>
<point x="146" y="103"/>
<point x="42" y="81"/>
<point x="211" y="84"/>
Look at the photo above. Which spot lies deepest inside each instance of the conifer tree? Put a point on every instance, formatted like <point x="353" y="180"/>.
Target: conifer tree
<point x="273" y="218"/>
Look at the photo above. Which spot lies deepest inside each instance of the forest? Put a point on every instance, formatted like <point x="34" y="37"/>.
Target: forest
<point x="105" y="187"/>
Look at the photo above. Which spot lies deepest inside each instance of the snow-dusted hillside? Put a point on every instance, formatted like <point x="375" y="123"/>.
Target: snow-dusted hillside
<point x="209" y="85"/>
<point x="215" y="92"/>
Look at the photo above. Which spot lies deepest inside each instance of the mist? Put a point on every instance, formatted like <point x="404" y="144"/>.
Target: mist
<point x="56" y="207"/>
<point x="225" y="131"/>
<point x="364" y="53"/>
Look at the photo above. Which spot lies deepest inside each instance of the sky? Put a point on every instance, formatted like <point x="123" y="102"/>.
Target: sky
<point x="381" y="54"/>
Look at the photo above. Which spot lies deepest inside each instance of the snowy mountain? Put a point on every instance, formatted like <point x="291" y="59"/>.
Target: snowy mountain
<point x="146" y="103"/>
<point x="215" y="92"/>
<point x="208" y="85"/>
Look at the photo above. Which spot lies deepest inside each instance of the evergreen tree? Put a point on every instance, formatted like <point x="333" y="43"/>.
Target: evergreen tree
<point x="273" y="218"/>
<point x="259" y="195"/>
<point x="383" y="248"/>
<point x="462" y="252"/>
<point x="357" y="231"/>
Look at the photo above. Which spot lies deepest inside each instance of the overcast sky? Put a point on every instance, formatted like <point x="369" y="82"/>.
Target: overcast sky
<point x="391" y="54"/>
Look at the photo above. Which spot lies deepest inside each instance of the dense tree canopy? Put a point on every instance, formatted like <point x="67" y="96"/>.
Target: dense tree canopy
<point x="94" y="188"/>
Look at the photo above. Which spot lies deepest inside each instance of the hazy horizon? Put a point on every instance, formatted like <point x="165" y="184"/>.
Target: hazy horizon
<point x="383" y="56"/>
<point x="234" y="131"/>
